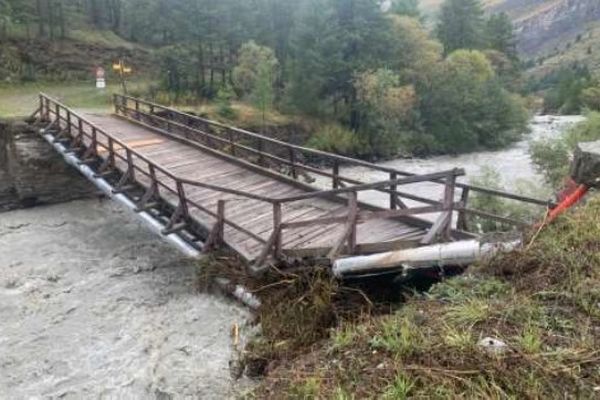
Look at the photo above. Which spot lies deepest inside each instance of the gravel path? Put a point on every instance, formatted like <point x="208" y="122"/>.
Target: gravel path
<point x="94" y="306"/>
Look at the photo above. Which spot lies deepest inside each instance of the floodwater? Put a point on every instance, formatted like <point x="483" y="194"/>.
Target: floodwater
<point x="513" y="164"/>
<point x="95" y="306"/>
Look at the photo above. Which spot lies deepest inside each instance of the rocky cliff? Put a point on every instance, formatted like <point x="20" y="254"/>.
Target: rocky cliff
<point x="543" y="25"/>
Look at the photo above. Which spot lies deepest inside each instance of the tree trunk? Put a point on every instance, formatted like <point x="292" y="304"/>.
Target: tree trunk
<point x="40" y="15"/>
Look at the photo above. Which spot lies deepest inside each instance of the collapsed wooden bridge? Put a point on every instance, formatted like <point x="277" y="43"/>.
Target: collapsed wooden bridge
<point x="219" y="186"/>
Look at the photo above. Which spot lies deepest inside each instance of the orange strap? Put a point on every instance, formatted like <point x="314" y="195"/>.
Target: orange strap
<point x="568" y="202"/>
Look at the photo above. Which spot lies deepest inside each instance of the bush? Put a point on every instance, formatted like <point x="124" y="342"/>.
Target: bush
<point x="336" y="139"/>
<point x="490" y="178"/>
<point x="224" y="97"/>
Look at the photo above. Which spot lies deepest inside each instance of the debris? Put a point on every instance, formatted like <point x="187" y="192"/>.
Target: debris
<point x="492" y="345"/>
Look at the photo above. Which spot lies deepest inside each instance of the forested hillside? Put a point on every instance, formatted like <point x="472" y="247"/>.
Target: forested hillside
<point x="381" y="82"/>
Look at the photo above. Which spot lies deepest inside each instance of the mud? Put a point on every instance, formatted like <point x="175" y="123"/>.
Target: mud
<point x="92" y="305"/>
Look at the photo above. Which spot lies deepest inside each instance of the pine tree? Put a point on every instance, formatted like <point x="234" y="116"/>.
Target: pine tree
<point x="501" y="36"/>
<point x="461" y="25"/>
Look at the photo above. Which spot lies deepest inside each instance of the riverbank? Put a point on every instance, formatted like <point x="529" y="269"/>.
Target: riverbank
<point x="525" y="325"/>
<point x="95" y="306"/>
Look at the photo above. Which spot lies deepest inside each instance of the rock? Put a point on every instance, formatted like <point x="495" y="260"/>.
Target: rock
<point x="492" y="345"/>
<point x="586" y="164"/>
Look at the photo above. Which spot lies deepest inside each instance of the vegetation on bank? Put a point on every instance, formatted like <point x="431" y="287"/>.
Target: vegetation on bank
<point x="551" y="156"/>
<point x="523" y="325"/>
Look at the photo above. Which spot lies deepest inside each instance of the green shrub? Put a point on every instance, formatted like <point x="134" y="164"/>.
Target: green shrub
<point x="551" y="157"/>
<point x="490" y="178"/>
<point x="336" y="139"/>
<point x="224" y="97"/>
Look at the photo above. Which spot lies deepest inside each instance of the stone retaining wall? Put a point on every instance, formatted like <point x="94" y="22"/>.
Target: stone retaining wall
<point x="32" y="173"/>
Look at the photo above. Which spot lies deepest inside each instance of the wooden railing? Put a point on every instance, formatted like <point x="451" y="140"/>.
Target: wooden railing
<point x="96" y="144"/>
<point x="107" y="155"/>
<point x="271" y="153"/>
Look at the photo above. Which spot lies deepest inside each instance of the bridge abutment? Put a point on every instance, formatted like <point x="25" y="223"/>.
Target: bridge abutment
<point x="32" y="173"/>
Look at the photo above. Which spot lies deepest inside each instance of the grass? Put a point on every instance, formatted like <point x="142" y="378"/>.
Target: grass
<point x="21" y="100"/>
<point x="543" y="302"/>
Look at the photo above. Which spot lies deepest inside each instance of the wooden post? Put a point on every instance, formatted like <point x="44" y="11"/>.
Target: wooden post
<point x="42" y="114"/>
<point x="463" y="223"/>
<point x="94" y="142"/>
<point x="231" y="142"/>
<point x="353" y="212"/>
<point x="261" y="157"/>
<point x="277" y="245"/>
<point x="182" y="199"/>
<point x="79" y="139"/>
<point x="349" y="233"/>
<point x="111" y="153"/>
<point x="116" y="103"/>
<point x="57" y="112"/>
<point x="393" y="189"/>
<point x="69" y="122"/>
<point x="336" y="174"/>
<point x="130" y="165"/>
<point x="293" y="163"/>
<point x="47" y="109"/>
<point x="449" y="203"/>
<point x="137" y="110"/>
<point x="220" y="222"/>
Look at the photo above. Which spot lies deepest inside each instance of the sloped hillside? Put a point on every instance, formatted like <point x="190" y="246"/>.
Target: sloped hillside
<point x="543" y="26"/>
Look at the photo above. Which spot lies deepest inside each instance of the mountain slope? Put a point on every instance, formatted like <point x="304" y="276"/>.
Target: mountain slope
<point x="542" y="26"/>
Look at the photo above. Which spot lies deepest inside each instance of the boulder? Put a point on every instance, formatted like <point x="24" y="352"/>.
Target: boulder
<point x="586" y="164"/>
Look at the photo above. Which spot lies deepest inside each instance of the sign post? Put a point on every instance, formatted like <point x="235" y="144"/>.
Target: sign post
<point x="100" y="78"/>
<point x="123" y="70"/>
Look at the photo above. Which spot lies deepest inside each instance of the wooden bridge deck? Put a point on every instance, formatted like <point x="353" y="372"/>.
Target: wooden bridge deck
<point x="227" y="186"/>
<point x="256" y="216"/>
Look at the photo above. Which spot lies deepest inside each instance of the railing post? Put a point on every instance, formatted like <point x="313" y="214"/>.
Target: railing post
<point x="462" y="223"/>
<point x="57" y="112"/>
<point x="393" y="189"/>
<point x="449" y="202"/>
<point x="42" y="114"/>
<point x="336" y="174"/>
<point x="94" y="142"/>
<point x="69" y="121"/>
<point x="277" y="245"/>
<point x="182" y="200"/>
<point x="111" y="153"/>
<point x="47" y="109"/>
<point x="79" y="139"/>
<point x="116" y="103"/>
<point x="137" y="109"/>
<point x="231" y="142"/>
<point x="220" y="222"/>
<point x="261" y="157"/>
<point x="293" y="163"/>
<point x="130" y="165"/>
<point x="353" y="210"/>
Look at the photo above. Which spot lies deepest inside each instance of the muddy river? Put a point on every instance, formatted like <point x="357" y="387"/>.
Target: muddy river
<point x="513" y="164"/>
<point x="94" y="306"/>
